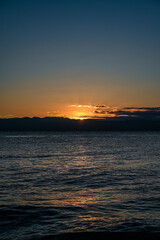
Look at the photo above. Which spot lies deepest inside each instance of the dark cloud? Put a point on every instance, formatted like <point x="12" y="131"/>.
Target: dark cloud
<point x="141" y="112"/>
<point x="145" y="114"/>
<point x="99" y="112"/>
<point x="119" y="113"/>
<point x="143" y="108"/>
<point x="101" y="106"/>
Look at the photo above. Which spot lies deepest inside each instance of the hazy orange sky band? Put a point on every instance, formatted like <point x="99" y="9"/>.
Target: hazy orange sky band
<point x="101" y="111"/>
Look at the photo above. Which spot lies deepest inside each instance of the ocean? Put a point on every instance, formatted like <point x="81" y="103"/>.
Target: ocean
<point x="55" y="183"/>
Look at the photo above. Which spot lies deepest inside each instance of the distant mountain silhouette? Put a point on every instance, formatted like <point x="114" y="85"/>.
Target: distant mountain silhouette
<point x="65" y="124"/>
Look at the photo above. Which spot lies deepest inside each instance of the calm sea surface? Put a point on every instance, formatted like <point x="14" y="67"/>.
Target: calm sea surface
<point x="58" y="182"/>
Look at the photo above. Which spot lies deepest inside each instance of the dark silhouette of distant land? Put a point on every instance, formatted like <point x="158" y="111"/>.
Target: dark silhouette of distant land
<point x="65" y="124"/>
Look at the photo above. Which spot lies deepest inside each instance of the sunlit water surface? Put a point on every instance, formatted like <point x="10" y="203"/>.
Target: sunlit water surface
<point x="58" y="182"/>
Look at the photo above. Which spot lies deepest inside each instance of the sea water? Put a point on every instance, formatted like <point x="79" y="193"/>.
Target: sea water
<point x="59" y="182"/>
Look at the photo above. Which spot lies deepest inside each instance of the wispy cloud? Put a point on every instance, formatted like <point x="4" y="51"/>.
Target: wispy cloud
<point x="82" y="106"/>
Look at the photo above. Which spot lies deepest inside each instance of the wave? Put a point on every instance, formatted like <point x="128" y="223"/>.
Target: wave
<point x="144" y="235"/>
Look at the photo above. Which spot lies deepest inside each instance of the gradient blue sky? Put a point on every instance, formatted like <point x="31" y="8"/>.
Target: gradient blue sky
<point x="62" y="52"/>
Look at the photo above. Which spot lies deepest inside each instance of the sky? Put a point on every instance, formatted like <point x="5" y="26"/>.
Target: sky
<point x="68" y="58"/>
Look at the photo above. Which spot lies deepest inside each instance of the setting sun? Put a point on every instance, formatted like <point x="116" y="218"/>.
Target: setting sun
<point x="81" y="119"/>
<point x="79" y="112"/>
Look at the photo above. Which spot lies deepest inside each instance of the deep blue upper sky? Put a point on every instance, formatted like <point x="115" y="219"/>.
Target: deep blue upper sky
<point x="81" y="42"/>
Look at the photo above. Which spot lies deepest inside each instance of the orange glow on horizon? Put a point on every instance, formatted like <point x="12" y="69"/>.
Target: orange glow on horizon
<point x="82" y="111"/>
<point x="79" y="112"/>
